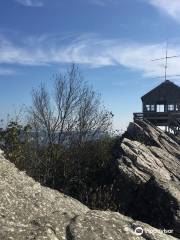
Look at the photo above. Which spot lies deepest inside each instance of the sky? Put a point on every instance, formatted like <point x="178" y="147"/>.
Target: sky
<point x="113" y="42"/>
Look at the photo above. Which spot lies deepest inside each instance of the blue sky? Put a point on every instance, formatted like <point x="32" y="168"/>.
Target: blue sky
<point x="112" y="41"/>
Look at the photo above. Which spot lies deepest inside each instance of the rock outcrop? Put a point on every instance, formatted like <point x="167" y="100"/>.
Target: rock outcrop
<point x="97" y="225"/>
<point x="148" y="176"/>
<point x="29" y="211"/>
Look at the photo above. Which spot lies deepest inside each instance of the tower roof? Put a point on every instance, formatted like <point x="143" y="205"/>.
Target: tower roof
<point x="165" y="91"/>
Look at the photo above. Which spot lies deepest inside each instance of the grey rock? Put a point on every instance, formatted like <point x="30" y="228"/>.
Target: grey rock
<point x="29" y="211"/>
<point x="96" y="225"/>
<point x="149" y="176"/>
<point x="153" y="136"/>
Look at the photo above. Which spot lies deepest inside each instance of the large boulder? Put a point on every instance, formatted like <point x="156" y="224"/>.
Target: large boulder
<point x="29" y="211"/>
<point x="97" y="225"/>
<point x="148" y="176"/>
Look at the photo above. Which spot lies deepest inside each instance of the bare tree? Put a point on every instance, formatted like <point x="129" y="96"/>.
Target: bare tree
<point x="42" y="114"/>
<point x="73" y="114"/>
<point x="75" y="107"/>
<point x="93" y="118"/>
<point x="67" y="98"/>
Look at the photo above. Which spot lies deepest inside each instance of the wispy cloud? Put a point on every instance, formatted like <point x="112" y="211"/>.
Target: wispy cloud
<point x="7" y="71"/>
<point x="89" y="50"/>
<point x="30" y="3"/>
<point x="101" y="2"/>
<point x="170" y="7"/>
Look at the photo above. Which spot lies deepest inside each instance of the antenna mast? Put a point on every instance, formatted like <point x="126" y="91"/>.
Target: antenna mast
<point x="166" y="61"/>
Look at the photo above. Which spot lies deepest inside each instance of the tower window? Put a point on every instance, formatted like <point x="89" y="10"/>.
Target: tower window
<point x="160" y="108"/>
<point x="150" y="108"/>
<point x="177" y="107"/>
<point x="170" y="107"/>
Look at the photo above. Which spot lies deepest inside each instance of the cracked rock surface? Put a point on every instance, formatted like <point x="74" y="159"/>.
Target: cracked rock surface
<point x="95" y="225"/>
<point x="149" y="176"/>
<point x="29" y="211"/>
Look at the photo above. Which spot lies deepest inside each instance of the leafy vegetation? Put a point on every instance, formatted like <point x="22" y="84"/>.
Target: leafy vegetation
<point x="66" y="142"/>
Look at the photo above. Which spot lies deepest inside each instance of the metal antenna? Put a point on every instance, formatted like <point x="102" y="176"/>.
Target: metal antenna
<point x="166" y="61"/>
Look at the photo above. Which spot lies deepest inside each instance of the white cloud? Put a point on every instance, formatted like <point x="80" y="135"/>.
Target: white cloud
<point x="170" y="7"/>
<point x="92" y="51"/>
<point x="30" y="3"/>
<point x="101" y="2"/>
<point x="6" y="71"/>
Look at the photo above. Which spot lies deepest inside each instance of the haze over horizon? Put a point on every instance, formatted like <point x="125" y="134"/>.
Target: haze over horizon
<point x="112" y="41"/>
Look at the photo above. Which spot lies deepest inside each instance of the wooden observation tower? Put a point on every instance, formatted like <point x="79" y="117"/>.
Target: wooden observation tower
<point x="161" y="106"/>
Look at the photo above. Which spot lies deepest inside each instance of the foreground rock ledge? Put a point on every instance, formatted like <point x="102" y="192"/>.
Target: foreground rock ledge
<point x="148" y="176"/>
<point x="29" y="211"/>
